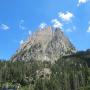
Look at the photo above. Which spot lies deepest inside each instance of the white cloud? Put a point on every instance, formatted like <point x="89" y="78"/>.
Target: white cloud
<point x="21" y="25"/>
<point x="29" y="32"/>
<point x="4" y="27"/>
<point x="88" y="29"/>
<point x="21" y="42"/>
<point x="56" y="23"/>
<point x="42" y="25"/>
<point x="67" y="16"/>
<point x="71" y="29"/>
<point x="82" y="2"/>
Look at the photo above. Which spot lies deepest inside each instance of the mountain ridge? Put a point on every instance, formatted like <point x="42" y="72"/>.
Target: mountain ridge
<point x="47" y="44"/>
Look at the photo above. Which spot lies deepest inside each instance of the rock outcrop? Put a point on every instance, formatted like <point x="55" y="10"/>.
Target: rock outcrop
<point x="46" y="44"/>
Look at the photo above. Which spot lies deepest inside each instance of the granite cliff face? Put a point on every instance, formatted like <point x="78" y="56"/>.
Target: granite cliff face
<point x="46" y="44"/>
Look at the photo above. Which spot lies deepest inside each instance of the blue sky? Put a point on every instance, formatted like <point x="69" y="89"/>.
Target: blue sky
<point x="19" y="18"/>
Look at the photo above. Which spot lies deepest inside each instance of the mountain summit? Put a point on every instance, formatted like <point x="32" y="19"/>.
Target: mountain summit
<point x="46" y="44"/>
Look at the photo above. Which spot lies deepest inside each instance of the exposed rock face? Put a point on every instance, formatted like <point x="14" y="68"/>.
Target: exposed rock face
<point x="47" y="44"/>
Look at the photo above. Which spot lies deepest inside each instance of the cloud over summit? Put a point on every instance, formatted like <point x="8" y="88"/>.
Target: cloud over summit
<point x="56" y="23"/>
<point x="66" y="16"/>
<point x="42" y="25"/>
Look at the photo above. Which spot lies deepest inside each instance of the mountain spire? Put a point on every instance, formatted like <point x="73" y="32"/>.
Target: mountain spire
<point x="46" y="44"/>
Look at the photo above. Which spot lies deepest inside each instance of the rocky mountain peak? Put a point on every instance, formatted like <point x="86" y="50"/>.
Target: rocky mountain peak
<point x="46" y="44"/>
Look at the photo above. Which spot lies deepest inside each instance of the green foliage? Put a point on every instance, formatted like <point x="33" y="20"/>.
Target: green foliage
<point x="68" y="73"/>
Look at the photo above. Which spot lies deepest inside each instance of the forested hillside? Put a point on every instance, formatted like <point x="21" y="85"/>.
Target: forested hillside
<point x="67" y="73"/>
